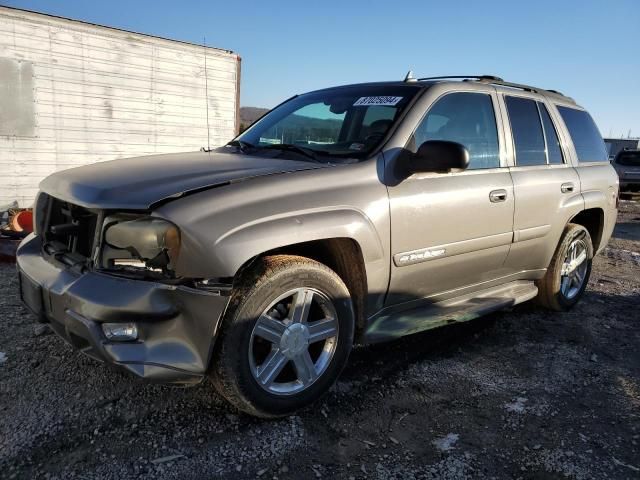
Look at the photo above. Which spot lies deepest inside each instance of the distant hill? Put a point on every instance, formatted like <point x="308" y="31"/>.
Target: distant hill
<point x="295" y="128"/>
<point x="248" y="115"/>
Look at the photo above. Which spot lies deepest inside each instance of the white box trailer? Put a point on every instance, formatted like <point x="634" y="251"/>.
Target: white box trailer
<point x="74" y="93"/>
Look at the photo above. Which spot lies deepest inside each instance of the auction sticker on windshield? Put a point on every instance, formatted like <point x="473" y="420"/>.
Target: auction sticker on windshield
<point x="382" y="101"/>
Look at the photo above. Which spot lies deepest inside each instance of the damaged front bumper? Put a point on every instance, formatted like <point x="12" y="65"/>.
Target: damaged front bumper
<point x="177" y="325"/>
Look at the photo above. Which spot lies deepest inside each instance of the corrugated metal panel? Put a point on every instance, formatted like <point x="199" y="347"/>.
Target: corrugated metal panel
<point x="101" y="93"/>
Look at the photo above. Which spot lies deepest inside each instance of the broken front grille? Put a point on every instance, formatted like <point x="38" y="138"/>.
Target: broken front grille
<point x="69" y="231"/>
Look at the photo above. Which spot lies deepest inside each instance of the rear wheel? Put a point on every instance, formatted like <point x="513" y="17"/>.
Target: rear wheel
<point x="285" y="337"/>
<point x="568" y="274"/>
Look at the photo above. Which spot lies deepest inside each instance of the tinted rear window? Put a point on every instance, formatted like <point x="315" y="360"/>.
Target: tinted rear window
<point x="629" y="159"/>
<point x="585" y="135"/>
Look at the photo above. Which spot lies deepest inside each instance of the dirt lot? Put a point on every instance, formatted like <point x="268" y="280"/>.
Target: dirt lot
<point x="521" y="394"/>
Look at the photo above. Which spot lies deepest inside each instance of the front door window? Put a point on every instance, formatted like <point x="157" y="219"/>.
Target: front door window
<point x="467" y="118"/>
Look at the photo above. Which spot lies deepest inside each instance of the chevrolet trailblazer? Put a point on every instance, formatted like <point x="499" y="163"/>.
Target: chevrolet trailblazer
<point x="358" y="213"/>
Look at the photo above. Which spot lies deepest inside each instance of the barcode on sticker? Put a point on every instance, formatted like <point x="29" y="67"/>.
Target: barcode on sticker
<point x="382" y="101"/>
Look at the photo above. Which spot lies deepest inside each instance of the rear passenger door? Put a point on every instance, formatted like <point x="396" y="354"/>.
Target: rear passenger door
<point x="546" y="186"/>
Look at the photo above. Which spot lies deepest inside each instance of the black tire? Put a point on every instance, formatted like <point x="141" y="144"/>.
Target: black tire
<point x="550" y="293"/>
<point x="265" y="280"/>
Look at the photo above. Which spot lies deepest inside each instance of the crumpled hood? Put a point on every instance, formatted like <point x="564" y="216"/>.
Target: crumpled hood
<point x="138" y="183"/>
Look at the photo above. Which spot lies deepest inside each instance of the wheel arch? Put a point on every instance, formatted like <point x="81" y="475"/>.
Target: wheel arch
<point x="593" y="220"/>
<point x="341" y="254"/>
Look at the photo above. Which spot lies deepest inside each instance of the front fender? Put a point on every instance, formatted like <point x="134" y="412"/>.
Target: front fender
<point x="244" y="242"/>
<point x="223" y="228"/>
<point x="205" y="254"/>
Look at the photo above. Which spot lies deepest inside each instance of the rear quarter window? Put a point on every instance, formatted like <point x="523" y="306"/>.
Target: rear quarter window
<point x="585" y="135"/>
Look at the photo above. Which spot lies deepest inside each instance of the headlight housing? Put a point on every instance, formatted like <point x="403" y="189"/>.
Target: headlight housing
<point x="148" y="242"/>
<point x="39" y="212"/>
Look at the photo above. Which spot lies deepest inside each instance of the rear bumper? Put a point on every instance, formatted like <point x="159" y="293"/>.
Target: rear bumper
<point x="177" y="325"/>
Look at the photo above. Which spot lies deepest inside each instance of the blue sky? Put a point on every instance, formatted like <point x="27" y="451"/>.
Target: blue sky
<point x="587" y="49"/>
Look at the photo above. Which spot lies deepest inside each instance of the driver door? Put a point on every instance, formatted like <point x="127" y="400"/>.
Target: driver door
<point x="452" y="230"/>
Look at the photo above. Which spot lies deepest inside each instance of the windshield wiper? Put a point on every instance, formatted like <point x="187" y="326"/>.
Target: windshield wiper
<point x="288" y="147"/>
<point x="241" y="144"/>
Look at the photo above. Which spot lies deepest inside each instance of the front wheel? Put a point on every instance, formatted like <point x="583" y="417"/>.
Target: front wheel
<point x="285" y="337"/>
<point x="568" y="274"/>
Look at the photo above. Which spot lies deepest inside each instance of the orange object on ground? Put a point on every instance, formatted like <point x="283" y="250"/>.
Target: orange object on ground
<point x="22" y="221"/>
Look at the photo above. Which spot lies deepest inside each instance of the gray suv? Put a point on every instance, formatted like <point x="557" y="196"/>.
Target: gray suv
<point x="355" y="214"/>
<point x="627" y="165"/>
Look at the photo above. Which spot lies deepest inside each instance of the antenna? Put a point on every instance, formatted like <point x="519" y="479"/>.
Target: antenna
<point x="206" y="89"/>
<point x="409" y="77"/>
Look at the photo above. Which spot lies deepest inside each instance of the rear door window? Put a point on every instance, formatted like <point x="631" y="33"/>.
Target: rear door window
<point x="585" y="135"/>
<point x="528" y="136"/>
<point x="554" y="153"/>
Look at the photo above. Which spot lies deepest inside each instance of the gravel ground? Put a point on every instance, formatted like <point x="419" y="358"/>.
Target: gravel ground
<point x="520" y="394"/>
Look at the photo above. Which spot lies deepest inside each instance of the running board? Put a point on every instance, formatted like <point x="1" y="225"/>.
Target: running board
<point x="388" y="325"/>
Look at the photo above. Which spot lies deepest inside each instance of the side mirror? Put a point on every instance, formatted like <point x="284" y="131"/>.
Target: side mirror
<point x="439" y="156"/>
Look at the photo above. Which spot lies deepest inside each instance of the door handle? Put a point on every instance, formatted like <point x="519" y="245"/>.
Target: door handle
<point x="567" y="187"/>
<point x="496" y="196"/>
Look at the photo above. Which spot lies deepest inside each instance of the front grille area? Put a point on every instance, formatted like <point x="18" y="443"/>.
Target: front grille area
<point x="68" y="230"/>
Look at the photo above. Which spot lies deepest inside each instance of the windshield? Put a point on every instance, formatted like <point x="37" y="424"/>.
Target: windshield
<point x="629" y="159"/>
<point x="341" y="122"/>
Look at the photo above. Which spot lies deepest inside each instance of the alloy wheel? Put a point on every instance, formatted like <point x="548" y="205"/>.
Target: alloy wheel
<point x="293" y="341"/>
<point x="574" y="269"/>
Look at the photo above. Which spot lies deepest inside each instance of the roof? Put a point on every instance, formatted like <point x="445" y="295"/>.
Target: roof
<point x="486" y="79"/>
<point x="393" y="83"/>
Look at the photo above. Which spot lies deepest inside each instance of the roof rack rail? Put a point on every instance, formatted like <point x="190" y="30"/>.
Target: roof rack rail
<point x="527" y="88"/>
<point x="520" y="86"/>
<point x="478" y="77"/>
<point x="490" y="79"/>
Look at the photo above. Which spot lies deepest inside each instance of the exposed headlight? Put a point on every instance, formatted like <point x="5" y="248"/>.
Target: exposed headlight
<point x="150" y="241"/>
